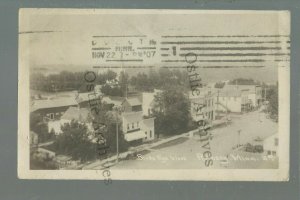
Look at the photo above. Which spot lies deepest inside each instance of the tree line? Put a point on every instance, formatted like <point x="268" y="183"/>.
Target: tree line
<point x="113" y="84"/>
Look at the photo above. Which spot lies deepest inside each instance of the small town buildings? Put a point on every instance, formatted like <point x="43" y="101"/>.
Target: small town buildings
<point x="148" y="100"/>
<point x="132" y="104"/>
<point x="203" y="105"/>
<point x="88" y="99"/>
<point x="131" y="126"/>
<point x="134" y="125"/>
<point x="52" y="109"/>
<point x="113" y="102"/>
<point x="148" y="128"/>
<point x="136" y="128"/>
<point x="230" y="100"/>
<point x="254" y="93"/>
<point x="233" y="99"/>
<point x="270" y="145"/>
<point x="81" y="115"/>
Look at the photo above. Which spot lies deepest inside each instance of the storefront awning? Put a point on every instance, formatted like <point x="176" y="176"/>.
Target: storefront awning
<point x="134" y="136"/>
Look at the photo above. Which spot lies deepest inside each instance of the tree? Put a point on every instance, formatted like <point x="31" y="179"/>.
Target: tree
<point x="74" y="141"/>
<point x="219" y="84"/>
<point x="111" y="119"/>
<point x="110" y="75"/>
<point x="111" y="91"/>
<point x="243" y="81"/>
<point x="272" y="97"/>
<point x="172" y="112"/>
<point x="38" y="126"/>
<point x="154" y="80"/>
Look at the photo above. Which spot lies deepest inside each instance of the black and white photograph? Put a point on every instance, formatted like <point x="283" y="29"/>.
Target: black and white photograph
<point x="154" y="94"/>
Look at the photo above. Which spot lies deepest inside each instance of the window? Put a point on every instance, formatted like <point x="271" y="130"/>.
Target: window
<point x="146" y="134"/>
<point x="128" y="127"/>
<point x="137" y="124"/>
<point x="150" y="134"/>
<point x="132" y="125"/>
<point x="51" y="115"/>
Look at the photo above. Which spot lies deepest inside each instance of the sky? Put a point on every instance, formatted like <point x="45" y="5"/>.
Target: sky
<point x="63" y="40"/>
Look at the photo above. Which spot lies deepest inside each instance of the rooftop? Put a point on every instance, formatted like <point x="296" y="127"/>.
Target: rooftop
<point x="248" y="88"/>
<point x="133" y="101"/>
<point x="52" y="103"/>
<point x="77" y="114"/>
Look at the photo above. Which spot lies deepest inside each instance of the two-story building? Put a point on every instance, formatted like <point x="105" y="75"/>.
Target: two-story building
<point x="203" y="105"/>
<point x="134" y="126"/>
<point x="253" y="92"/>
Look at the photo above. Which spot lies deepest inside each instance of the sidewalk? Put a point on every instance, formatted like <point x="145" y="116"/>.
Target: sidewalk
<point x="99" y="164"/>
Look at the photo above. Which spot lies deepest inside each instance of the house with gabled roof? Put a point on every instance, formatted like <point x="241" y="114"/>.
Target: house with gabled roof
<point x="80" y="115"/>
<point x="132" y="104"/>
<point x="254" y="92"/>
<point x="137" y="128"/>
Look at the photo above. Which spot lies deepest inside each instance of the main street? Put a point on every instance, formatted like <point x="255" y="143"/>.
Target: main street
<point x="186" y="152"/>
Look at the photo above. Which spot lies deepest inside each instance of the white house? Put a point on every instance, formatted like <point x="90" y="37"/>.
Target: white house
<point x="254" y="92"/>
<point x="135" y="127"/>
<point x="229" y="100"/>
<point x="148" y="128"/>
<point x="148" y="101"/>
<point x="131" y="126"/>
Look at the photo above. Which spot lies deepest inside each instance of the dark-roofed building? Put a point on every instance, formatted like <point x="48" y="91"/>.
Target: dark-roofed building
<point x="132" y="104"/>
<point x="52" y="109"/>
